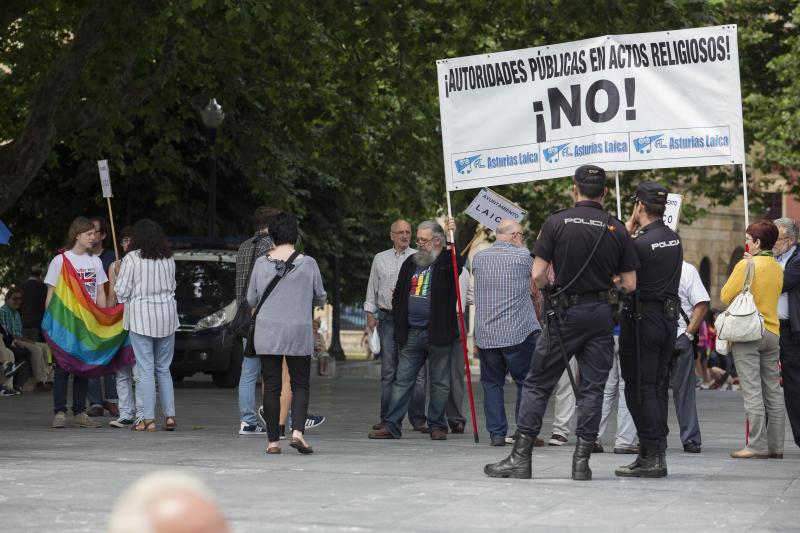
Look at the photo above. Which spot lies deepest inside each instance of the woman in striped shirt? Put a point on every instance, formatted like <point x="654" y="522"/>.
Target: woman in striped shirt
<point x="146" y="285"/>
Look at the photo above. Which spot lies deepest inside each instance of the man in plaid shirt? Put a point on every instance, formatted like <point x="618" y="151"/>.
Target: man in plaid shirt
<point x="250" y="250"/>
<point x="505" y="321"/>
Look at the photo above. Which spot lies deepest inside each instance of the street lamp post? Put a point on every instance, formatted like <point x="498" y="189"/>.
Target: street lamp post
<point x="335" y="349"/>
<point x="212" y="117"/>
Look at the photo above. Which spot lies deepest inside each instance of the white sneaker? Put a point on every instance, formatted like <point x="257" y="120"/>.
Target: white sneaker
<point x="255" y="429"/>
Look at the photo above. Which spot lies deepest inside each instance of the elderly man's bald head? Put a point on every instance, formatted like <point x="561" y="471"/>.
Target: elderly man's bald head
<point x="167" y="502"/>
<point x="508" y="226"/>
<point x="509" y="231"/>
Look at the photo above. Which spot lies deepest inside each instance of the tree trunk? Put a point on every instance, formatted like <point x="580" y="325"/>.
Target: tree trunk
<point x="335" y="349"/>
<point x="21" y="159"/>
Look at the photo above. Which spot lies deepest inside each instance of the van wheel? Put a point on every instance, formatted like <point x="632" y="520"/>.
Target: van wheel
<point x="230" y="378"/>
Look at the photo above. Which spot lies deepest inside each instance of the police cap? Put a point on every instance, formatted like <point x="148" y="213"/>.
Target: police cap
<point x="590" y="175"/>
<point x="650" y="192"/>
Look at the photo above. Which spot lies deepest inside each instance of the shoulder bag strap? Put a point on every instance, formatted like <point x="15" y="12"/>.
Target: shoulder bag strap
<point x="588" y="259"/>
<point x="749" y="274"/>
<point x="274" y="282"/>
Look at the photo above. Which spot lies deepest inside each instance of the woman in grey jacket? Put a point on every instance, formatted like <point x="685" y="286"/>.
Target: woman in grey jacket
<point x="284" y="327"/>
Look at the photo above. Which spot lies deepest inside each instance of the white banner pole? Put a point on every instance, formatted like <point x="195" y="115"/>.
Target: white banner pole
<point x="619" y="199"/>
<point x="744" y="191"/>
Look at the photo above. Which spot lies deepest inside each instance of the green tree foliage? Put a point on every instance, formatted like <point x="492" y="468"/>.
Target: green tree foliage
<point x="331" y="110"/>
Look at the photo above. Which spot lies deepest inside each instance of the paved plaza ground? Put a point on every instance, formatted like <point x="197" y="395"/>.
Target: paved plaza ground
<point x="67" y="480"/>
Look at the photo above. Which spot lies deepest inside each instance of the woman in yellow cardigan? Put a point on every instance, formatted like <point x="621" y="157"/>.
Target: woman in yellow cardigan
<point x="757" y="361"/>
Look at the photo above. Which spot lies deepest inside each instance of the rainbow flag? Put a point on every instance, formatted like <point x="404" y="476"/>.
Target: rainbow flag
<point x="86" y="340"/>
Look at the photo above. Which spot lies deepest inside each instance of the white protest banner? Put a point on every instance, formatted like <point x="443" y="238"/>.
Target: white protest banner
<point x="673" y="210"/>
<point x="105" y="178"/>
<point x="489" y="208"/>
<point x="624" y="102"/>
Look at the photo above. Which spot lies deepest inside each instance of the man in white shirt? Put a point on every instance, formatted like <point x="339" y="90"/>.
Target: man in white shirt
<point x="378" y="306"/>
<point x="694" y="307"/>
<point x="787" y="254"/>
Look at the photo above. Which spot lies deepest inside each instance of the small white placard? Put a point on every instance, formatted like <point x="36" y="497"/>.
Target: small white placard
<point x="673" y="211"/>
<point x="489" y="208"/>
<point x="105" y="178"/>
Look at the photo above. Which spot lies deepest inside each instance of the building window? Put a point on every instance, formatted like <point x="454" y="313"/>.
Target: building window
<point x="774" y="205"/>
<point x="705" y="273"/>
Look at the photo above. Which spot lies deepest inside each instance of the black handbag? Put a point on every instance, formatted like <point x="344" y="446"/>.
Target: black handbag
<point x="250" y="347"/>
<point x="240" y="325"/>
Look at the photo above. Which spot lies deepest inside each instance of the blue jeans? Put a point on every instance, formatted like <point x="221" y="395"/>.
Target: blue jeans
<point x="495" y="363"/>
<point x="251" y="368"/>
<point x="127" y="403"/>
<point x="412" y="358"/>
<point x="95" y="390"/>
<point x="60" y="384"/>
<point x="153" y="357"/>
<point x="389" y="351"/>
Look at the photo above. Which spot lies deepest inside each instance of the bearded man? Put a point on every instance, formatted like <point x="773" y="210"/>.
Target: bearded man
<point x="426" y="327"/>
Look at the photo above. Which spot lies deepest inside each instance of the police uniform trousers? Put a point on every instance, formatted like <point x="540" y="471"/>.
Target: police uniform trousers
<point x="657" y="340"/>
<point x="586" y="331"/>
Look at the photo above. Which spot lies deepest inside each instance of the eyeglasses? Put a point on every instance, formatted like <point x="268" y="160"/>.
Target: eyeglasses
<point x="518" y="234"/>
<point x="423" y="242"/>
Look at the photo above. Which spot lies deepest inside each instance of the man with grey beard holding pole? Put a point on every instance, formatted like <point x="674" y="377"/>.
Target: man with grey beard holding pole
<point x="426" y="327"/>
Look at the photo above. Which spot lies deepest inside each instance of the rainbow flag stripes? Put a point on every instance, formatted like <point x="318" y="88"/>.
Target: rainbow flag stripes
<point x="86" y="340"/>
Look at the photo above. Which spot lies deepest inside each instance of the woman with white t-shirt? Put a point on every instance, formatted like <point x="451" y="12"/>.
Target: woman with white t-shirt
<point x="80" y="240"/>
<point x="146" y="285"/>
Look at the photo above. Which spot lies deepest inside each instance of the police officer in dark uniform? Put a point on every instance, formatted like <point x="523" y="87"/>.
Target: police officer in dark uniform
<point x="648" y="329"/>
<point x="588" y="249"/>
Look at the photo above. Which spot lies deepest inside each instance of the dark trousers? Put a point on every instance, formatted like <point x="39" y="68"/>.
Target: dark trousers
<point x="683" y="391"/>
<point x="586" y="330"/>
<point x="657" y="340"/>
<point x="389" y="356"/>
<point x="495" y="364"/>
<point x="299" y="376"/>
<point x="790" y="371"/>
<point x="413" y="356"/>
<point x="95" y="390"/>
<point x="26" y="371"/>
<point x="455" y="402"/>
<point x="60" y="384"/>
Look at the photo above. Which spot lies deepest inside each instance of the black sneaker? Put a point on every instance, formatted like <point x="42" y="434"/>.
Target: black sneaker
<point x="557" y="440"/>
<point x="120" y="423"/>
<point x="692" y="447"/>
<point x="8" y="392"/>
<point x="255" y="429"/>
<point x="313" y="421"/>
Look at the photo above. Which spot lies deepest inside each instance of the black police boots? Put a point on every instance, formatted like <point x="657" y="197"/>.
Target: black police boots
<point x="662" y="456"/>
<point x="580" y="460"/>
<point x="518" y="464"/>
<point x="648" y="463"/>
